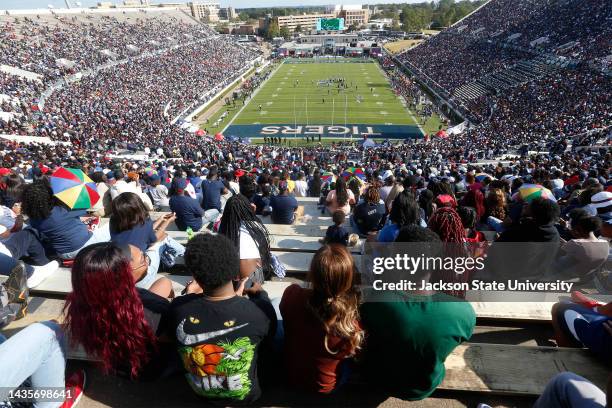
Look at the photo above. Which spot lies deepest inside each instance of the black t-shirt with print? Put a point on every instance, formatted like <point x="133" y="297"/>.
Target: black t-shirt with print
<point x="218" y="342"/>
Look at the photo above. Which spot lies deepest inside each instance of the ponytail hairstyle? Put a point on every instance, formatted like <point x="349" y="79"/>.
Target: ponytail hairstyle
<point x="335" y="300"/>
<point x="104" y="312"/>
<point x="341" y="192"/>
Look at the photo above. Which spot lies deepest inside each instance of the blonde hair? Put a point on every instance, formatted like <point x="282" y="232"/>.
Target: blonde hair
<point x="335" y="300"/>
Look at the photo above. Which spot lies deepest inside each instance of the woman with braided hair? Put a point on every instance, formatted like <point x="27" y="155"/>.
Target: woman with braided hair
<point x="240" y="224"/>
<point x="446" y="222"/>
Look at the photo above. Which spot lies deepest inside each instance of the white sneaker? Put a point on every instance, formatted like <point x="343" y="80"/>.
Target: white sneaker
<point x="41" y="273"/>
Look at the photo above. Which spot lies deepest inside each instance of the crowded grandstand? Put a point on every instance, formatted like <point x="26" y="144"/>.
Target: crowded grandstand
<point x="145" y="246"/>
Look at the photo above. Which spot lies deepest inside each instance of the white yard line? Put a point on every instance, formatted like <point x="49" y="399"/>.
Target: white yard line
<point x="252" y="97"/>
<point x="405" y="103"/>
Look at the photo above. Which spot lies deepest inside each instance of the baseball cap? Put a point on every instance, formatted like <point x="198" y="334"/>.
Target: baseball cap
<point x="180" y="184"/>
<point x="239" y="173"/>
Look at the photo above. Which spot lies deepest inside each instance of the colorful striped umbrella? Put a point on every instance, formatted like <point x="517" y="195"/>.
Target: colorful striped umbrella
<point x="354" y="171"/>
<point x="74" y="188"/>
<point x="328" y="176"/>
<point x="481" y="176"/>
<point x="528" y="192"/>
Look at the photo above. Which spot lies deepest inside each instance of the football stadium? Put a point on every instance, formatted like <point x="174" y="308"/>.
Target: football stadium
<point x="343" y="98"/>
<point x="226" y="204"/>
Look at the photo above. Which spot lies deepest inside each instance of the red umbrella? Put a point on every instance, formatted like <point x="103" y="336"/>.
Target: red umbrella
<point x="219" y="137"/>
<point x="200" y="132"/>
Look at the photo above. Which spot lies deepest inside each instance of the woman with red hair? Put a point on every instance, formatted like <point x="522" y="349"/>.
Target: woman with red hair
<point x="446" y="222"/>
<point x="114" y="321"/>
<point x="476" y="200"/>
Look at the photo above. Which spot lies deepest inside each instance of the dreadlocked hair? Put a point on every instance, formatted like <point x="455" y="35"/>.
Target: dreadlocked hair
<point x="335" y="300"/>
<point x="447" y="224"/>
<point x="341" y="193"/>
<point x="239" y="213"/>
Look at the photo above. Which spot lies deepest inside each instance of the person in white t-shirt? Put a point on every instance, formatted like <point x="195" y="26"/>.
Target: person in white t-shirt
<point x="301" y="186"/>
<point x="240" y="224"/>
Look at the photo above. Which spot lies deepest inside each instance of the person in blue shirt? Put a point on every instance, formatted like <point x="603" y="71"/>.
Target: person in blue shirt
<point x="404" y="211"/>
<point x="212" y="190"/>
<point x="369" y="213"/>
<point x="188" y="211"/>
<point x="285" y="209"/>
<point x="61" y="230"/>
<point x="336" y="234"/>
<point x="130" y="223"/>
<point x="196" y="182"/>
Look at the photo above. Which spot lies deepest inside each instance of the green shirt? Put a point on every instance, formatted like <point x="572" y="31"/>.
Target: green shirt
<point x="408" y="338"/>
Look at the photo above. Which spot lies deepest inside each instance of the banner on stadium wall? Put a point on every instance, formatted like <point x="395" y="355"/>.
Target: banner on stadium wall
<point x="335" y="131"/>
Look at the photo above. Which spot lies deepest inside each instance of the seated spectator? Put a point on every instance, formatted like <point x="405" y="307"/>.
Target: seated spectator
<point x="22" y="245"/>
<point x="132" y="185"/>
<point x="340" y="198"/>
<point x="144" y="267"/>
<point x="301" y="187"/>
<point x="468" y="220"/>
<point x="369" y="214"/>
<point x="99" y="209"/>
<point x="212" y="190"/>
<point x="321" y="324"/>
<point x="262" y="201"/>
<point x="130" y="223"/>
<point x="404" y="211"/>
<point x="602" y="203"/>
<point x="537" y="224"/>
<point x="159" y="193"/>
<point x="132" y="347"/>
<point x="336" y="234"/>
<point x="421" y="327"/>
<point x="314" y="185"/>
<point x="584" y="254"/>
<point x="496" y="214"/>
<point x="584" y="323"/>
<point x="246" y="231"/>
<point x="36" y="355"/>
<point x="285" y="209"/>
<point x="567" y="389"/>
<point x="188" y="211"/>
<point x="61" y="230"/>
<point x="218" y="332"/>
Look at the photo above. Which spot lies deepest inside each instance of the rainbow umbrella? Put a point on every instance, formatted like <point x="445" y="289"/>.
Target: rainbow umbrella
<point x="528" y="192"/>
<point x="74" y="188"/>
<point x="481" y="176"/>
<point x="354" y="171"/>
<point x="150" y="172"/>
<point x="328" y="176"/>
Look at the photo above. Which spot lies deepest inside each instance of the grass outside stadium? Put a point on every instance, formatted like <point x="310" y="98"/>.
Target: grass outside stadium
<point x="305" y="93"/>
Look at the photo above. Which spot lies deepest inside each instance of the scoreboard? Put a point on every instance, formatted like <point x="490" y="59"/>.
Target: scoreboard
<point x="330" y="24"/>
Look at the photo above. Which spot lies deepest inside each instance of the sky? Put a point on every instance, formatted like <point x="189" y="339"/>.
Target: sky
<point x="29" y="4"/>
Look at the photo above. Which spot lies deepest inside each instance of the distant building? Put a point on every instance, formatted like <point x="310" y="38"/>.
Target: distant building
<point x="208" y="12"/>
<point x="245" y="29"/>
<point x="353" y="14"/>
<point x="227" y="13"/>
<point x="305" y="21"/>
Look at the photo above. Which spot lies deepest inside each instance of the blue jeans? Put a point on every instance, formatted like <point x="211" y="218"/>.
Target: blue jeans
<point x="154" y="253"/>
<point x="36" y="352"/>
<point x="570" y="390"/>
<point x="100" y="234"/>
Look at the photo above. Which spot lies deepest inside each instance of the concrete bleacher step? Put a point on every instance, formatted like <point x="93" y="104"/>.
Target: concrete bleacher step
<point x="473" y="367"/>
<point x="516" y="370"/>
<point x="500" y="306"/>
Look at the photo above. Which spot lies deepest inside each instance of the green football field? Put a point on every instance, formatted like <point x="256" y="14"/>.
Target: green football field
<point x="297" y="93"/>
